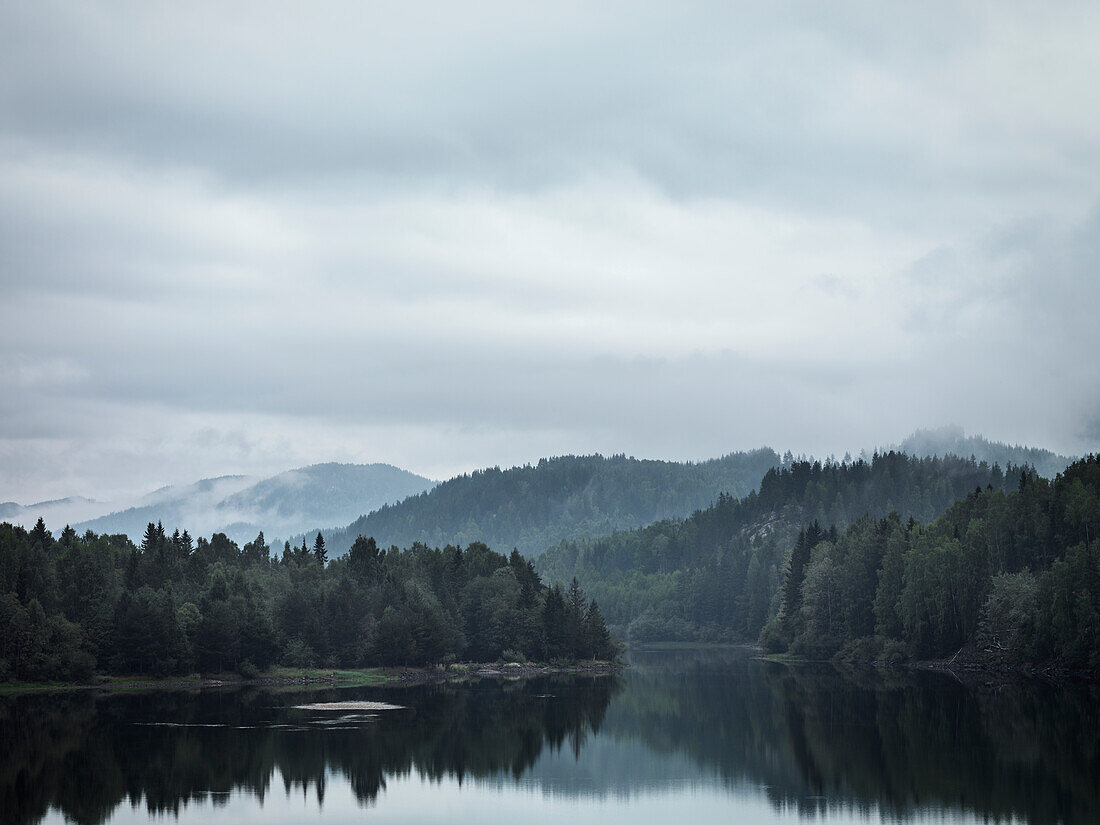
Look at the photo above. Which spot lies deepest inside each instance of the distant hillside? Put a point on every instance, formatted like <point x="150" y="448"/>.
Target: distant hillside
<point x="715" y="574"/>
<point x="294" y="501"/>
<point x="187" y="506"/>
<point x="282" y="505"/>
<point x="57" y="510"/>
<point x="945" y="440"/>
<point x="535" y="506"/>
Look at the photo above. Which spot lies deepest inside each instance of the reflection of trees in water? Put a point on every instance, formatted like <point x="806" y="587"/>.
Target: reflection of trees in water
<point x="902" y="740"/>
<point x="818" y="738"/>
<point x="85" y="755"/>
<point x="814" y="737"/>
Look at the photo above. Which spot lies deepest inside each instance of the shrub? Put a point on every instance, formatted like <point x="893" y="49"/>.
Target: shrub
<point x="299" y="654"/>
<point x="865" y="649"/>
<point x="894" y="652"/>
<point x="771" y="638"/>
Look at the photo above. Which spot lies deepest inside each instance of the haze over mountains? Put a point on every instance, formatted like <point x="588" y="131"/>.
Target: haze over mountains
<point x="240" y="506"/>
<point x="952" y="440"/>
<point x="531" y="507"/>
<point x="56" y="511"/>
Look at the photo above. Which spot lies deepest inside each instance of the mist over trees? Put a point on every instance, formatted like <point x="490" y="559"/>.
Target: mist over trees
<point x="286" y="504"/>
<point x="953" y="441"/>
<point x="80" y="604"/>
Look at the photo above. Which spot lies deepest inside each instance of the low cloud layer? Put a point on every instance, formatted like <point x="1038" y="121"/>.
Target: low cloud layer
<point x="237" y="241"/>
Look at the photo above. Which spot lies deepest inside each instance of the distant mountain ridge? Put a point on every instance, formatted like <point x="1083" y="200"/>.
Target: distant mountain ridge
<point x="582" y="497"/>
<point x="531" y="507"/>
<point x="58" y="509"/>
<point x="538" y="505"/>
<point x="282" y="505"/>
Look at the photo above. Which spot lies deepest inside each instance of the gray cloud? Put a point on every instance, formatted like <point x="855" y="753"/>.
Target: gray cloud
<point x="240" y="239"/>
<point x="780" y="105"/>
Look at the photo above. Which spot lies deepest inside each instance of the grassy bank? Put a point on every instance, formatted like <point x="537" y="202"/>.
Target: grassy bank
<point x="293" y="676"/>
<point x="274" y="677"/>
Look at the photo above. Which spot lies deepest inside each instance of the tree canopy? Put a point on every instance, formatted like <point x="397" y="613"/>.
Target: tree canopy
<point x="717" y="574"/>
<point x="569" y="497"/>
<point x="78" y="604"/>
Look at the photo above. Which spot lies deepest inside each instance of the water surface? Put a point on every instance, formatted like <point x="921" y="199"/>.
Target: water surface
<point x="688" y="736"/>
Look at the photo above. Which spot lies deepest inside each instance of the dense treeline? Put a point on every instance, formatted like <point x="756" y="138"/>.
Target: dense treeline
<point x="1015" y="576"/>
<point x="716" y="574"/>
<point x="78" y="604"/>
<point x="570" y="497"/>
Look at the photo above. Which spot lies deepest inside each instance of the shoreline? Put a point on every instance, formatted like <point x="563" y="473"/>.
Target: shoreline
<point x="388" y="676"/>
<point x="972" y="668"/>
<point x="493" y="670"/>
<point x="976" y="668"/>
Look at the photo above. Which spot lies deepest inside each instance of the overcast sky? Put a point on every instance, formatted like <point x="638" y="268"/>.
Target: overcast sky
<point x="238" y="238"/>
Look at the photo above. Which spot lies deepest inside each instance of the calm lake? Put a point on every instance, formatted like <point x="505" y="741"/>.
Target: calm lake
<point x="682" y="736"/>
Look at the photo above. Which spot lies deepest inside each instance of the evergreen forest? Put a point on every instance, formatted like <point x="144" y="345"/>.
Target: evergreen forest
<point x="733" y="569"/>
<point x="892" y="558"/>
<point x="1009" y="577"/>
<point x="569" y="497"/>
<point x="77" y="605"/>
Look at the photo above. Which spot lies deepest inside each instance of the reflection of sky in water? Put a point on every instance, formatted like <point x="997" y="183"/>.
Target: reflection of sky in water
<point x="410" y="799"/>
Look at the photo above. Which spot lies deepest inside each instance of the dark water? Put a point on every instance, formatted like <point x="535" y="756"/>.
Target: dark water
<point x="683" y="737"/>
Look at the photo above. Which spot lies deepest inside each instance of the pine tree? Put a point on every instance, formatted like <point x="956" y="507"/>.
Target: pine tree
<point x="597" y="637"/>
<point x="149" y="540"/>
<point x="319" y="549"/>
<point x="363" y="559"/>
<point x="40" y="535"/>
<point x="574" y="619"/>
<point x="792" y="583"/>
<point x="553" y="624"/>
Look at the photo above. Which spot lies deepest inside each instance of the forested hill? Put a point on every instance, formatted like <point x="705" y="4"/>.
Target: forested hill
<point x="1008" y="577"/>
<point x="952" y="440"/>
<point x="535" y="506"/>
<point x="715" y="574"/>
<point x="79" y="604"/>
